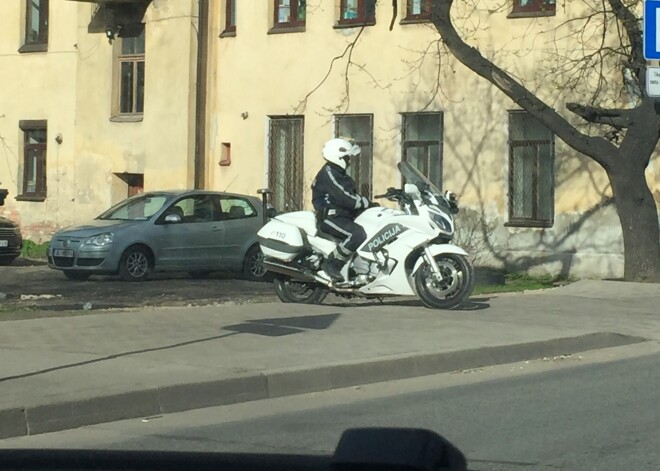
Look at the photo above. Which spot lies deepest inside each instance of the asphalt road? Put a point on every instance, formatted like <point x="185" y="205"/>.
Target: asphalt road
<point x="596" y="416"/>
<point x="39" y="287"/>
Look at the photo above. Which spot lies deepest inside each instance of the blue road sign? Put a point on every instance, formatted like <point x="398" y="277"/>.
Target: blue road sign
<point x="651" y="33"/>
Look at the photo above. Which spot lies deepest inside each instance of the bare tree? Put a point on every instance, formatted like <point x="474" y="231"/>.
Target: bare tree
<point x="620" y="139"/>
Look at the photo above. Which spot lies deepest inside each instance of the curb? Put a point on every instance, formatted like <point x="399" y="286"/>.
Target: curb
<point x="45" y="418"/>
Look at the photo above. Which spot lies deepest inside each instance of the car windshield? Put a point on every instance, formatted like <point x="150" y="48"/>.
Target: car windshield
<point x="412" y="175"/>
<point x="137" y="208"/>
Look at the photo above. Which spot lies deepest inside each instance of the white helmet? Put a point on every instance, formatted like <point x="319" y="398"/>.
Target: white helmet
<point x="339" y="151"/>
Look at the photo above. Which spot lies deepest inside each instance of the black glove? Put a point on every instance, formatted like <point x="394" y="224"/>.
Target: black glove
<point x="373" y="204"/>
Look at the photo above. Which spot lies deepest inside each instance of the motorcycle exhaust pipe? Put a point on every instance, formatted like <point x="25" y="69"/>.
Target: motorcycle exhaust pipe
<point x="290" y="271"/>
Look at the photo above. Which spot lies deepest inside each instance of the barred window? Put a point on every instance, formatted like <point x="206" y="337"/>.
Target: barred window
<point x="531" y="172"/>
<point x="359" y="127"/>
<point x="285" y="161"/>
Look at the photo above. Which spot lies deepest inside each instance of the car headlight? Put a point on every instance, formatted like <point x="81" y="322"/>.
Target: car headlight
<point x="101" y="240"/>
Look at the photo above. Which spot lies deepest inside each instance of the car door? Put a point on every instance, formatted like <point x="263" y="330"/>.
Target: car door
<point x="195" y="241"/>
<point x="240" y="222"/>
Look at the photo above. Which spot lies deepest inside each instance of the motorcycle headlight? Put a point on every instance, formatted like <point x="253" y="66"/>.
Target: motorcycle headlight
<point x="101" y="240"/>
<point x="441" y="222"/>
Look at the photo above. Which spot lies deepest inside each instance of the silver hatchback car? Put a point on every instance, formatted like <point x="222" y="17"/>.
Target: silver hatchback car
<point x="194" y="231"/>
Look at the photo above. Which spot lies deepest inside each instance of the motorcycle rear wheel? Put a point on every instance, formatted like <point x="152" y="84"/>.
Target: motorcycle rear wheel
<point x="454" y="288"/>
<point x="300" y="292"/>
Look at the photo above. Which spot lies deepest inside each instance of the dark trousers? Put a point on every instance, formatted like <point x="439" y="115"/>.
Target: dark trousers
<point x="351" y="234"/>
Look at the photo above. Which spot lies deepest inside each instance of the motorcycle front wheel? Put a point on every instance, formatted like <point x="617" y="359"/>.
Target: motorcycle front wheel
<point x="300" y="292"/>
<point x="453" y="289"/>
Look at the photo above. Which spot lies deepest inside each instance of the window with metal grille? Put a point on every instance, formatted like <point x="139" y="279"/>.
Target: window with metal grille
<point x="531" y="171"/>
<point x="131" y="75"/>
<point x="36" y="26"/>
<point x="357" y="12"/>
<point x="358" y="127"/>
<point x="286" y="161"/>
<point x="34" y="160"/>
<point x="289" y="13"/>
<point x="524" y="8"/>
<point x="422" y="143"/>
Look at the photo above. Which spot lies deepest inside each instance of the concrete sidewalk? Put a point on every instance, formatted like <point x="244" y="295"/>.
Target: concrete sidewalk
<point x="59" y="373"/>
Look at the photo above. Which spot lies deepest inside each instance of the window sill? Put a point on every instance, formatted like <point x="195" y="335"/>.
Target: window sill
<point x="26" y="48"/>
<point x="127" y="119"/>
<point x="414" y="21"/>
<point x="531" y="14"/>
<point x="531" y="223"/>
<point x="228" y="34"/>
<point x="286" y="29"/>
<point x="354" y="25"/>
<point x="38" y="198"/>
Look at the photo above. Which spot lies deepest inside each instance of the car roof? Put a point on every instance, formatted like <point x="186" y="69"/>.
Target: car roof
<point x="175" y="193"/>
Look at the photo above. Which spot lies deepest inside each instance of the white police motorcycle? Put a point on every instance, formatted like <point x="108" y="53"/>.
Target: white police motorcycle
<point x="407" y="251"/>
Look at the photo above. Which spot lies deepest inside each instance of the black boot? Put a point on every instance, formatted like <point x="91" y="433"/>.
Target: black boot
<point x="332" y="266"/>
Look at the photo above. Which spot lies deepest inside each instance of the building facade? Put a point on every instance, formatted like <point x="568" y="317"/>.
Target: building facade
<point x="98" y="103"/>
<point x="277" y="78"/>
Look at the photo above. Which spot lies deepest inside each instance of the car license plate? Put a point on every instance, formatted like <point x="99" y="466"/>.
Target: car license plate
<point x="63" y="253"/>
<point x="4" y="243"/>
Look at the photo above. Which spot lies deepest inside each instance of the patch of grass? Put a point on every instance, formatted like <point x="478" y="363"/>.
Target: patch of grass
<point x="516" y="282"/>
<point x="34" y="251"/>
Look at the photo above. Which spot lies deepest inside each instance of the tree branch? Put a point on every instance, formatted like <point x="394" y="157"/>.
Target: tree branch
<point x="302" y="105"/>
<point x="617" y="118"/>
<point x="598" y="148"/>
<point x="630" y="23"/>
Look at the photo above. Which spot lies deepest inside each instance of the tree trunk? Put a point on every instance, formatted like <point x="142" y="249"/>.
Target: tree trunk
<point x="639" y="221"/>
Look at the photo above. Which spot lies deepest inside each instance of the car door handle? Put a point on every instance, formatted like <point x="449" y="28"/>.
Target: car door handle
<point x="217" y="228"/>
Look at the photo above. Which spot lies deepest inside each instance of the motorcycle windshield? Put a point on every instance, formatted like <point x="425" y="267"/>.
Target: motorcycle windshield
<point x="412" y="175"/>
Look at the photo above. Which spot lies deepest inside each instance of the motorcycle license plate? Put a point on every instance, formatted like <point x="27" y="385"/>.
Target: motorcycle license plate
<point x="4" y="243"/>
<point x="63" y="253"/>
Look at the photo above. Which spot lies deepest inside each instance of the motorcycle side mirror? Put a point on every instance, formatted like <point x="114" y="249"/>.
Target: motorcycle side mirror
<point x="410" y="189"/>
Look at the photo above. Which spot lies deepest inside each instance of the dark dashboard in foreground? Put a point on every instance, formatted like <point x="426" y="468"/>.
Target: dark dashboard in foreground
<point x="358" y="449"/>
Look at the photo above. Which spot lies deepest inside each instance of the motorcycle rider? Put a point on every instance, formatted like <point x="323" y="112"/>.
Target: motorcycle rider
<point x="337" y="203"/>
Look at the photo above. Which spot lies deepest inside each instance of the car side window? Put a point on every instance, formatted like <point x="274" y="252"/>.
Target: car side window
<point x="193" y="209"/>
<point x="233" y="207"/>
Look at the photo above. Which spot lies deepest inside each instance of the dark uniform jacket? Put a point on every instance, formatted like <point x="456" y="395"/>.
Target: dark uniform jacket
<point x="334" y="194"/>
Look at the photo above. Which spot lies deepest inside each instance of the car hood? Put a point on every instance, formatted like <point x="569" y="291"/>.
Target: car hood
<point x="97" y="226"/>
<point x="4" y="222"/>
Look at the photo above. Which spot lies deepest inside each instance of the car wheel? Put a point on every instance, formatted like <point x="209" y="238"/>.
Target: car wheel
<point x="6" y="260"/>
<point x="77" y="275"/>
<point x="253" y="268"/>
<point x="136" y="264"/>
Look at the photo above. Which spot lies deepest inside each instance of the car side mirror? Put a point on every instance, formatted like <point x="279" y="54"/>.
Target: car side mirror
<point x="172" y="219"/>
<point x="271" y="212"/>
